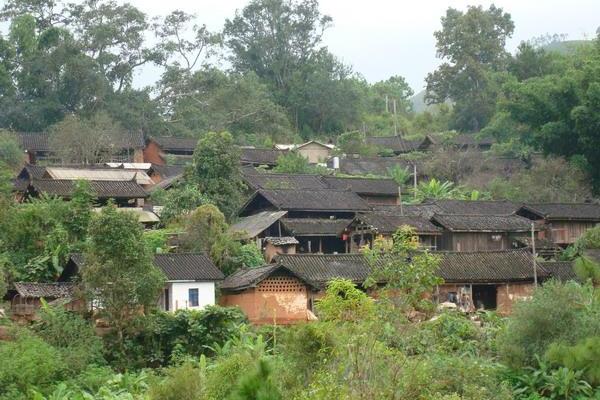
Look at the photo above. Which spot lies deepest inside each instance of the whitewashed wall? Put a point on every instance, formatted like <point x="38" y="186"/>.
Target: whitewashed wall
<point x="178" y="295"/>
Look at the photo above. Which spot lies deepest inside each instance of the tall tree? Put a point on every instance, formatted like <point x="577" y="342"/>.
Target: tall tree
<point x="215" y="169"/>
<point x="119" y="272"/>
<point x="473" y="45"/>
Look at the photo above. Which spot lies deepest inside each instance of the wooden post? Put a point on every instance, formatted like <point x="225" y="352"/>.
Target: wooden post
<point x="415" y="180"/>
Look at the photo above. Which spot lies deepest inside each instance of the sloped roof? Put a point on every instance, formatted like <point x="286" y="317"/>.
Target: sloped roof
<point x="102" y="189"/>
<point x="487" y="266"/>
<point x="248" y="277"/>
<point x="254" y="156"/>
<point x="475" y="207"/>
<point x="423" y="210"/>
<point x="143" y="216"/>
<point x="315" y="226"/>
<point x="314" y="200"/>
<point x="34" y="141"/>
<point x="166" y="171"/>
<point x="467" y="139"/>
<point x="54" y="290"/>
<point x="281" y="241"/>
<point x="252" y="225"/>
<point x="99" y="174"/>
<point x="176" y="266"/>
<point x="383" y="187"/>
<point x="283" y="181"/>
<point x="561" y="270"/>
<point x="396" y="143"/>
<point x="169" y="143"/>
<point x="370" y="165"/>
<point x="565" y="211"/>
<point x="188" y="267"/>
<point x="483" y="223"/>
<point x="387" y="223"/>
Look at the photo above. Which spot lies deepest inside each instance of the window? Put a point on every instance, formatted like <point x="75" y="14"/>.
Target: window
<point x="193" y="297"/>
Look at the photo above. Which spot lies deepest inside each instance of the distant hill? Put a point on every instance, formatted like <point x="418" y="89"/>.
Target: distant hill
<point x="563" y="47"/>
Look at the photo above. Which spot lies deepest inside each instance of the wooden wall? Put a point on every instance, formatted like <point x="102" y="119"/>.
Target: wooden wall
<point x="567" y="232"/>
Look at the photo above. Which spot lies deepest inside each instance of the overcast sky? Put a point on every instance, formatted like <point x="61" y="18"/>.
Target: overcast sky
<point x="380" y="38"/>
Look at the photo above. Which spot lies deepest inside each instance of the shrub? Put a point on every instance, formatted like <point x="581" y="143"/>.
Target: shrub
<point x="28" y="362"/>
<point x="71" y="335"/>
<point x="557" y="313"/>
<point x="584" y="356"/>
<point x="257" y="384"/>
<point x="184" y="382"/>
<point x="343" y="301"/>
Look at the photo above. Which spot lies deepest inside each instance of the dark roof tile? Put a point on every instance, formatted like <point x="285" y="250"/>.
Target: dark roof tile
<point x="565" y="211"/>
<point x="314" y="200"/>
<point x="188" y="267"/>
<point x="252" y="156"/>
<point x="54" y="290"/>
<point x="367" y="186"/>
<point x="169" y="143"/>
<point x="102" y="189"/>
<point x="482" y="223"/>
<point x="387" y="224"/>
<point x="315" y="226"/>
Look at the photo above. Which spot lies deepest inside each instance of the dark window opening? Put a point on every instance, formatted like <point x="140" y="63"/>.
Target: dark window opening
<point x="193" y="297"/>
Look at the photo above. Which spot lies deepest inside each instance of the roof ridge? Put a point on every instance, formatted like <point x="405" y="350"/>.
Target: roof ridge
<point x="520" y="250"/>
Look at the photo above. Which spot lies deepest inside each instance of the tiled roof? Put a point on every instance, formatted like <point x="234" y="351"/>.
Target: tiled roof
<point x="314" y="200"/>
<point x="102" y="189"/>
<point x="315" y="226"/>
<point x="483" y="223"/>
<point x="387" y="224"/>
<point x="396" y="143"/>
<point x="253" y="225"/>
<point x="54" y="290"/>
<point x="34" y="141"/>
<point x="284" y="181"/>
<point x="166" y="171"/>
<point x="370" y="165"/>
<point x="423" y="210"/>
<point x="467" y="139"/>
<point x="487" y="266"/>
<point x="282" y="241"/>
<point x="177" y="266"/>
<point x="169" y="143"/>
<point x="561" y="270"/>
<point x="260" y="156"/>
<point x="476" y="207"/>
<point x="593" y="254"/>
<point x="383" y="187"/>
<point x="188" y="267"/>
<point x="247" y="277"/>
<point x="564" y="211"/>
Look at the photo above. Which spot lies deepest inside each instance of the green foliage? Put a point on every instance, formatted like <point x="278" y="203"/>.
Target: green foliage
<point x="557" y="313"/>
<point x="257" y="385"/>
<point x="215" y="170"/>
<point x="589" y="240"/>
<point x="434" y="189"/>
<point x="119" y="271"/>
<point x="473" y="43"/>
<point x="179" y="201"/>
<point x="409" y="276"/>
<point x="344" y="302"/>
<point x="72" y="336"/>
<point x="27" y="362"/>
<point x="11" y="154"/>
<point x="156" y="240"/>
<point x="587" y="269"/>
<point x="292" y="163"/>
<point x="354" y="143"/>
<point x="184" y="382"/>
<point x="203" y="228"/>
<point x="584" y="356"/>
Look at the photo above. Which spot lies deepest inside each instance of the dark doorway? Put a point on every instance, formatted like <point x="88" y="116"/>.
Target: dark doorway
<point x="166" y="299"/>
<point x="484" y="296"/>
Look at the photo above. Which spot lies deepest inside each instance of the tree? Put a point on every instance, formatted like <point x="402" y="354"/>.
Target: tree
<point x="343" y="301"/>
<point x="119" y="272"/>
<point x="292" y="163"/>
<point x="434" y="189"/>
<point x="86" y="141"/>
<point x="473" y="43"/>
<point x="409" y="275"/>
<point x="215" y="169"/>
<point x="203" y="228"/>
<point x="178" y="202"/>
<point x="11" y="153"/>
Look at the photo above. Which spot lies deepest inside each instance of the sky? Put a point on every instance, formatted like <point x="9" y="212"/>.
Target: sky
<point x="381" y="38"/>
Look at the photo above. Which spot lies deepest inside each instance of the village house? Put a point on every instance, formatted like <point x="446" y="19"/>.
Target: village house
<point x="399" y="145"/>
<point x="366" y="227"/>
<point x="466" y="141"/>
<point x="163" y="150"/>
<point x="26" y="298"/>
<point x="562" y="223"/>
<point x="471" y="232"/>
<point x="191" y="279"/>
<point x="491" y="280"/>
<point x="279" y="245"/>
<point x="285" y="292"/>
<point x="38" y="150"/>
<point x="251" y="156"/>
<point x="315" y="152"/>
<point x="354" y="164"/>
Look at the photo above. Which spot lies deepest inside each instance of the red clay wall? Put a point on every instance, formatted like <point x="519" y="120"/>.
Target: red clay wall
<point x="278" y="299"/>
<point x="152" y="154"/>
<point x="509" y="294"/>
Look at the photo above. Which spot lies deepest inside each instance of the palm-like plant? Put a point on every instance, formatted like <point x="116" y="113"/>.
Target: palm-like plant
<point x="400" y="176"/>
<point x="435" y="189"/>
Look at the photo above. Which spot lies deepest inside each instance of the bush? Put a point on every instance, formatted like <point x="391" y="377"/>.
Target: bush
<point x="343" y="301"/>
<point x="184" y="382"/>
<point x="72" y="336"/>
<point x="557" y="313"/>
<point x="584" y="356"/>
<point x="27" y="363"/>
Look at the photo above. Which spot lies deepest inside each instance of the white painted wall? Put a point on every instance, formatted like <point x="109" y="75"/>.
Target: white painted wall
<point x="179" y="295"/>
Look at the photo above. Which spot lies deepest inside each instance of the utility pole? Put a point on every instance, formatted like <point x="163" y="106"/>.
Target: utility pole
<point x="387" y="109"/>
<point x="415" y="180"/>
<point x="535" y="280"/>
<point x="395" y="119"/>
